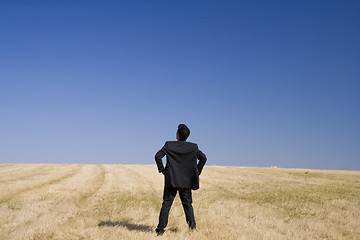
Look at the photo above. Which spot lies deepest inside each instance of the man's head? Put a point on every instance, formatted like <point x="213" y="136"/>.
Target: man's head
<point x="183" y="132"/>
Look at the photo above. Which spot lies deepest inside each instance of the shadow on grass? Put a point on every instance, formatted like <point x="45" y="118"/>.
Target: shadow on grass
<point x="130" y="226"/>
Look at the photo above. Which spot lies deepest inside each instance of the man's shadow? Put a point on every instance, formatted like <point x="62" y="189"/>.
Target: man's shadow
<point x="130" y="226"/>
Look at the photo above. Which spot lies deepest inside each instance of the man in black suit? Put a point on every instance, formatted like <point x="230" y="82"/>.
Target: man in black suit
<point x="181" y="174"/>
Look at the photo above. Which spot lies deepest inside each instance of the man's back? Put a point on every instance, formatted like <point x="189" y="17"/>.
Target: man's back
<point x="182" y="169"/>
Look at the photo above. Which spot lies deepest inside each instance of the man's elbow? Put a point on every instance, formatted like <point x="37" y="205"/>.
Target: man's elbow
<point x="158" y="158"/>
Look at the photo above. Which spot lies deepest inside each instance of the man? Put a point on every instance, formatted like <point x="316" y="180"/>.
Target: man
<point x="181" y="174"/>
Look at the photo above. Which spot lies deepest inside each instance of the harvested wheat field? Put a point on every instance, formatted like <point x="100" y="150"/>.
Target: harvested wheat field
<point x="55" y="201"/>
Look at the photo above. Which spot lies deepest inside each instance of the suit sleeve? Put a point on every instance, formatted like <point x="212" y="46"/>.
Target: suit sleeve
<point x="158" y="158"/>
<point x="202" y="160"/>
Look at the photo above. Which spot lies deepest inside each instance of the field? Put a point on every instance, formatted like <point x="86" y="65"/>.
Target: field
<point x="56" y="201"/>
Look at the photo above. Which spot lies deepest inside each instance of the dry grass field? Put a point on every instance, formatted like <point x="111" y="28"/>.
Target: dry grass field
<point x="40" y="201"/>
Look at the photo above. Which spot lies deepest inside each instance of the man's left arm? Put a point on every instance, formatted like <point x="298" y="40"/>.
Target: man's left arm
<point x="202" y="160"/>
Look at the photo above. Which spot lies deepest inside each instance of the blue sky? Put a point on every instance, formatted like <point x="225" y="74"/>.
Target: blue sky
<point x="259" y="83"/>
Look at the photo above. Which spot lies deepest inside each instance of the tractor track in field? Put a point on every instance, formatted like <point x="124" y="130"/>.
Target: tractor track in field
<point x="27" y="173"/>
<point x="12" y="171"/>
<point x="11" y="195"/>
<point x="75" y="189"/>
<point x="97" y="186"/>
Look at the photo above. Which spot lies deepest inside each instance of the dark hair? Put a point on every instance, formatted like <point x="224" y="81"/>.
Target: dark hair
<point x="183" y="132"/>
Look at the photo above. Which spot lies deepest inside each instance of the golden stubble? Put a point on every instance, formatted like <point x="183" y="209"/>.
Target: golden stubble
<point x="66" y="201"/>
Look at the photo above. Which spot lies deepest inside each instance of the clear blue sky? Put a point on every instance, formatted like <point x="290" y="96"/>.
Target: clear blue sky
<point x="259" y="83"/>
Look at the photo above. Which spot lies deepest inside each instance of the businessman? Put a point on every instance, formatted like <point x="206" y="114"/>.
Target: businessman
<point x="181" y="173"/>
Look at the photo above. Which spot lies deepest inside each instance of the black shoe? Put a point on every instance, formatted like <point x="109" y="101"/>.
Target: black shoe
<point x="159" y="232"/>
<point x="192" y="229"/>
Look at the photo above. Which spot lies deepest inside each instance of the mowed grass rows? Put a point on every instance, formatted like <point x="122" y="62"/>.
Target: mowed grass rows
<point x="56" y="201"/>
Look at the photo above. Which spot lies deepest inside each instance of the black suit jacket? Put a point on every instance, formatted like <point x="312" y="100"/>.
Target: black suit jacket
<point x="182" y="169"/>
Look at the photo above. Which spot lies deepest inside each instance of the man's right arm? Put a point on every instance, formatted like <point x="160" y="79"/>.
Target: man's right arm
<point x="158" y="159"/>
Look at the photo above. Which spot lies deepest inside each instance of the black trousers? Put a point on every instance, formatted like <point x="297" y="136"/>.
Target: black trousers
<point x="186" y="200"/>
